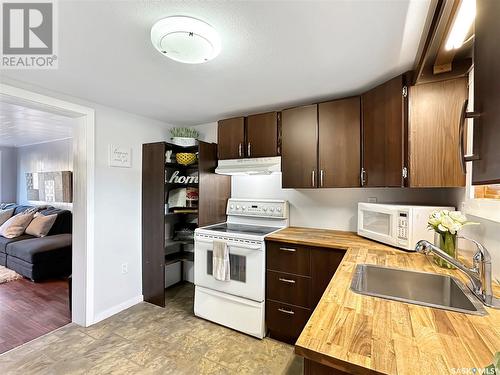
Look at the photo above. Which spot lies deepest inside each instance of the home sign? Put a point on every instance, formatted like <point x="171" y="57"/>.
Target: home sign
<point x="176" y="179"/>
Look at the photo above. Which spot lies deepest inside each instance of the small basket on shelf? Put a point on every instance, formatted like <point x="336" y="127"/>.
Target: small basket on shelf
<point x="186" y="158"/>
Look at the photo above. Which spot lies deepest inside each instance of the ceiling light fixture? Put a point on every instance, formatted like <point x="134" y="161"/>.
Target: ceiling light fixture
<point x="185" y="39"/>
<point x="461" y="25"/>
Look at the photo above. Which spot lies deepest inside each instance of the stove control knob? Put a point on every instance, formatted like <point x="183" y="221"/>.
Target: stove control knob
<point x="232" y="207"/>
<point x="238" y="207"/>
<point x="243" y="208"/>
<point x="264" y="209"/>
<point x="271" y="209"/>
<point x="278" y="209"/>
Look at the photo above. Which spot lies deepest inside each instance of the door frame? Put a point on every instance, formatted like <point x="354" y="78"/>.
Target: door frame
<point x="83" y="195"/>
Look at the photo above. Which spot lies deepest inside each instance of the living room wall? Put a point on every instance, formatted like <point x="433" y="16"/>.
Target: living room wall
<point x="43" y="157"/>
<point x="8" y="173"/>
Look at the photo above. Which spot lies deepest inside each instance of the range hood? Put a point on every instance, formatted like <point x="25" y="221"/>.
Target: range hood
<point x="249" y="166"/>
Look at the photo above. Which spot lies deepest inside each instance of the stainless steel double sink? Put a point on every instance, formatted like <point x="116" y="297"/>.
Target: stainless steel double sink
<point x="419" y="288"/>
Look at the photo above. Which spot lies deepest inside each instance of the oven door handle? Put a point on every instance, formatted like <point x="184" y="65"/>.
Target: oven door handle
<point x="232" y="245"/>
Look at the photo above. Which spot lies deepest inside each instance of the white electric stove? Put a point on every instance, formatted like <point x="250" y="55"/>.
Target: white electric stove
<point x="238" y="303"/>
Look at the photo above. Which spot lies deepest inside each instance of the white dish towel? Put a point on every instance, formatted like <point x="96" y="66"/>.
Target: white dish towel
<point x="220" y="261"/>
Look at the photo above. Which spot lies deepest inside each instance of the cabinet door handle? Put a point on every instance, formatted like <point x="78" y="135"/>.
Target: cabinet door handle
<point x="313" y="178"/>
<point x="289" y="281"/>
<point x="249" y="148"/>
<point x="363" y="176"/>
<point x="321" y="177"/>
<point x="461" y="146"/>
<point x="289" y="249"/>
<point x="240" y="150"/>
<point x="289" y="312"/>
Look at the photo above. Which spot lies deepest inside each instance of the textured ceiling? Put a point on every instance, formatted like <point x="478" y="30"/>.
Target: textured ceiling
<point x="274" y="54"/>
<point x="21" y="126"/>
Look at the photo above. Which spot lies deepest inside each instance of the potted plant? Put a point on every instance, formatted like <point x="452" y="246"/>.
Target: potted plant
<point x="184" y="137"/>
<point x="446" y="225"/>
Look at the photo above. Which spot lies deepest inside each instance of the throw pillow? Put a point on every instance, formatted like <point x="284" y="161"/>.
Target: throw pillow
<point x="41" y="225"/>
<point x="16" y="225"/>
<point x="5" y="215"/>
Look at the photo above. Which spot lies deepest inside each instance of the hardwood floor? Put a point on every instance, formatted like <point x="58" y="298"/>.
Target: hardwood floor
<point x="29" y="310"/>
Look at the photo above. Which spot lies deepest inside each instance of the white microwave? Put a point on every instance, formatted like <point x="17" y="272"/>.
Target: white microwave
<point x="396" y="225"/>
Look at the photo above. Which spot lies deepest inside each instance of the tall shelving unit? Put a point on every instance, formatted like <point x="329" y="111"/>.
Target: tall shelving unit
<point x="159" y="250"/>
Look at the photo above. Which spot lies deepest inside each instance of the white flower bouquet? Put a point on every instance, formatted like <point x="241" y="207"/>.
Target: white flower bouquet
<point x="448" y="221"/>
<point x="446" y="225"/>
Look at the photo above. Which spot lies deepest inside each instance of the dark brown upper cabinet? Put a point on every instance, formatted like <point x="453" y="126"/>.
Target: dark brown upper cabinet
<point x="486" y="158"/>
<point x="385" y="134"/>
<point x="434" y="115"/>
<point x="262" y="135"/>
<point x="231" y="138"/>
<point x="339" y="138"/>
<point x="299" y="147"/>
<point x="254" y="136"/>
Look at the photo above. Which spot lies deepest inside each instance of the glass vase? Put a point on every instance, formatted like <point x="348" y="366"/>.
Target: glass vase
<point x="448" y="243"/>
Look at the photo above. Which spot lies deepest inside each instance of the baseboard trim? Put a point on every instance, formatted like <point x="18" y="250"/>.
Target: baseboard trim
<point x="118" y="308"/>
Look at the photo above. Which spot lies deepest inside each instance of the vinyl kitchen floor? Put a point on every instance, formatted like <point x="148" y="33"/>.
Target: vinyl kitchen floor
<point x="147" y="339"/>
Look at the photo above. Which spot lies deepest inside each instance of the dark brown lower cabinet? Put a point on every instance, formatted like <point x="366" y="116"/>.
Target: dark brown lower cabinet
<point x="285" y="321"/>
<point x="289" y="288"/>
<point x="296" y="278"/>
<point x="324" y="263"/>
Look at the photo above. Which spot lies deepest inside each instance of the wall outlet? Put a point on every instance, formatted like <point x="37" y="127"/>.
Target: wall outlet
<point x="372" y="200"/>
<point x="124" y="268"/>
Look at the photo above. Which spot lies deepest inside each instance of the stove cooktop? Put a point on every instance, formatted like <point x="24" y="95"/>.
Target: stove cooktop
<point x="243" y="229"/>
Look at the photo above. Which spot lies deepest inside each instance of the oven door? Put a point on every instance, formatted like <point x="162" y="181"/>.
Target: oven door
<point x="378" y="223"/>
<point x="247" y="265"/>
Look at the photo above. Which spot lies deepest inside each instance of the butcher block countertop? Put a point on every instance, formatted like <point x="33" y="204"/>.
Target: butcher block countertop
<point x="361" y="334"/>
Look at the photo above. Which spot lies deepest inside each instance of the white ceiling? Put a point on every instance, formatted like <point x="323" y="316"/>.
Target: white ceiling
<point x="22" y="126"/>
<point x="274" y="54"/>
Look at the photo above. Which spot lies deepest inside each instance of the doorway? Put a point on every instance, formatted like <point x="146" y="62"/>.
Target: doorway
<point x="83" y="195"/>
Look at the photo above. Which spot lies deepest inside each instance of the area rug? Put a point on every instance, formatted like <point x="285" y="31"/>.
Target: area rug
<point x="7" y="275"/>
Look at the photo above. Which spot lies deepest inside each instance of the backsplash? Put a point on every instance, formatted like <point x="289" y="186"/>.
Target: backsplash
<point x="332" y="208"/>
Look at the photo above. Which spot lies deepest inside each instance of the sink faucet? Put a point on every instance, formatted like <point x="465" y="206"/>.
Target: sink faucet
<point x="479" y="275"/>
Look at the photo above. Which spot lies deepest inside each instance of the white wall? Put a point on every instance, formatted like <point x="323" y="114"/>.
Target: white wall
<point x="43" y="157"/>
<point x="487" y="233"/>
<point x="208" y="132"/>
<point x="117" y="210"/>
<point x="118" y="206"/>
<point x="330" y="208"/>
<point x="8" y="173"/>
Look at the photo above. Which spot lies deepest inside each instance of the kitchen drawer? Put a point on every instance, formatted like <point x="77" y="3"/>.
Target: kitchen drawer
<point x="283" y="257"/>
<point x="284" y="321"/>
<point x="289" y="288"/>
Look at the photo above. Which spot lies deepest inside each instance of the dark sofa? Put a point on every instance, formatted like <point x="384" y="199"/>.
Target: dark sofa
<point x="40" y="258"/>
